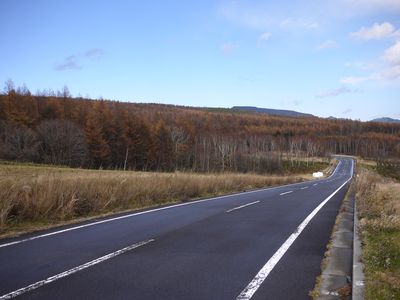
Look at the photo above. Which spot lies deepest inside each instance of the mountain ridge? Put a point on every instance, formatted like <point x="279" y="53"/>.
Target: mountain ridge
<point x="386" y="120"/>
<point x="270" y="111"/>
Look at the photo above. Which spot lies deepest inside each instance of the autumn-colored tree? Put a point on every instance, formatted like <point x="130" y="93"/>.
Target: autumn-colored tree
<point x="113" y="128"/>
<point x="138" y="144"/>
<point x="99" y="150"/>
<point x="163" y="148"/>
<point x="119" y="134"/>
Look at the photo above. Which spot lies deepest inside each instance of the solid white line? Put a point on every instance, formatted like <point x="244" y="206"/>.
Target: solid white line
<point x="253" y="286"/>
<point x="239" y="207"/>
<point x="281" y="194"/>
<point x="303" y="188"/>
<point x="73" y="270"/>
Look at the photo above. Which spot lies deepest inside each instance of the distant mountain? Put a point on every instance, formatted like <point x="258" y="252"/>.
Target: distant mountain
<point x="386" y="120"/>
<point x="331" y="118"/>
<point x="270" y="111"/>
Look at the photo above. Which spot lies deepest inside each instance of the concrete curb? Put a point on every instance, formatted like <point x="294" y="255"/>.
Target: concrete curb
<point x="335" y="280"/>
<point x="358" y="266"/>
<point x="342" y="274"/>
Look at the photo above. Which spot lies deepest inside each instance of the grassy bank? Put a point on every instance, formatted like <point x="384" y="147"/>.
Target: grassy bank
<point x="379" y="209"/>
<point x="34" y="197"/>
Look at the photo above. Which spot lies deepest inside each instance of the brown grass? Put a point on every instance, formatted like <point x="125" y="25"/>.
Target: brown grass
<point x="378" y="200"/>
<point x="366" y="162"/>
<point x="33" y="197"/>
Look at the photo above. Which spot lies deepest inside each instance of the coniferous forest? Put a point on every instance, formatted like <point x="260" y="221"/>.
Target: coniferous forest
<point x="56" y="128"/>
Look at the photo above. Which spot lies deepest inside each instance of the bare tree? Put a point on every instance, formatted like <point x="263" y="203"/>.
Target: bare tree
<point x="62" y="142"/>
<point x="179" y="139"/>
<point x="18" y="143"/>
<point x="9" y="86"/>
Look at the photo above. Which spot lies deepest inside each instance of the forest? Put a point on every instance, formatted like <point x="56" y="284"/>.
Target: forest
<point x="55" y="128"/>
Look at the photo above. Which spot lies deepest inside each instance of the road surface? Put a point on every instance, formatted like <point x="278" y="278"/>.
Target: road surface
<point x="264" y="244"/>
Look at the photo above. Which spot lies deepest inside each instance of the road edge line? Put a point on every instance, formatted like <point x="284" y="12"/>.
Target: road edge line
<point x="69" y="272"/>
<point x="256" y="282"/>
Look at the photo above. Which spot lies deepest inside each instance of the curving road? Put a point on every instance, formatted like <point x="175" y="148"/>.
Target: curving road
<point x="264" y="244"/>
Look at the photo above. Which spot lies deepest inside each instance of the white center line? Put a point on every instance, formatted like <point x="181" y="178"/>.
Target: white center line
<point x="315" y="184"/>
<point x="239" y="207"/>
<point x="253" y="286"/>
<point x="73" y="270"/>
<point x="303" y="188"/>
<point x="281" y="194"/>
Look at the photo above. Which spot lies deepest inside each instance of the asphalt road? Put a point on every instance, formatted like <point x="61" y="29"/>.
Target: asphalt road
<point x="264" y="244"/>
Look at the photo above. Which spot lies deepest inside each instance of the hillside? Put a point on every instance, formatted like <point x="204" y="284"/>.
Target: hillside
<point x="270" y="111"/>
<point x="386" y="120"/>
<point x="117" y="135"/>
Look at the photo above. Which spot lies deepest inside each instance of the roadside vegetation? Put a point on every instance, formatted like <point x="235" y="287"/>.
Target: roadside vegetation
<point x="35" y="196"/>
<point x="389" y="168"/>
<point x="379" y="210"/>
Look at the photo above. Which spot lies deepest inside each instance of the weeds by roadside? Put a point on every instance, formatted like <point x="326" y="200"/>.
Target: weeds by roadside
<point x="379" y="210"/>
<point x="33" y="197"/>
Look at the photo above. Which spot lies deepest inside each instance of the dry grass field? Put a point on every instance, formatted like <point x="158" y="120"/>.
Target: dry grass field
<point x="378" y="201"/>
<point x="34" y="197"/>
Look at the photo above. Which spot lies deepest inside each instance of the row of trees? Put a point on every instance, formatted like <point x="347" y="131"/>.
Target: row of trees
<point x="55" y="128"/>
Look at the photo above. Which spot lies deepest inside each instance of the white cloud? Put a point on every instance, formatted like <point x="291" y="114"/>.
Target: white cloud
<point x="353" y="80"/>
<point x="391" y="73"/>
<point x="386" y="74"/>
<point x="392" y="54"/>
<point x="335" y="93"/>
<point x="329" y="44"/>
<point x="365" y="66"/>
<point x="228" y="48"/>
<point x="301" y="14"/>
<point x="264" y="15"/>
<point x="376" y="32"/>
<point x="264" y="37"/>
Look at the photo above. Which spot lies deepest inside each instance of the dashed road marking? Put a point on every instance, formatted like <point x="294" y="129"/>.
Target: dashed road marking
<point x="281" y="194"/>
<point x="239" y="207"/>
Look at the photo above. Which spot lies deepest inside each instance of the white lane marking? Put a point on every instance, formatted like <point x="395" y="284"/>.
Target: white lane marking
<point x="73" y="270"/>
<point x="253" y="286"/>
<point x="281" y="194"/>
<point x="146" y="212"/>
<point x="315" y="184"/>
<point x="303" y="188"/>
<point x="239" y="207"/>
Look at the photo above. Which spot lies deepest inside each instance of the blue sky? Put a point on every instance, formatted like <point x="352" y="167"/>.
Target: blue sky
<point x="339" y="58"/>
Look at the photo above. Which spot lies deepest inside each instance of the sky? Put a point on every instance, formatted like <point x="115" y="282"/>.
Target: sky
<point x="330" y="58"/>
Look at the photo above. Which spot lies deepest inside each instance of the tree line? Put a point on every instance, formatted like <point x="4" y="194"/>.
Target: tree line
<point x="55" y="128"/>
